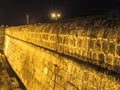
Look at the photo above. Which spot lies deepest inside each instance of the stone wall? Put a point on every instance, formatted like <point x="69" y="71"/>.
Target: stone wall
<point x="82" y="53"/>
<point x="1" y="38"/>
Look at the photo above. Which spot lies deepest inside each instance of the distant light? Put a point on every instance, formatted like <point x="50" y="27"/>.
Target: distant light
<point x="58" y="15"/>
<point x="55" y="16"/>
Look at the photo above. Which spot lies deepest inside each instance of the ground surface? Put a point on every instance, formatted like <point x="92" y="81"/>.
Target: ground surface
<point x="7" y="82"/>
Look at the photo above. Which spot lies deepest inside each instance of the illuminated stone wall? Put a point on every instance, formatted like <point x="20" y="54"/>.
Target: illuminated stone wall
<point x="1" y="37"/>
<point x="82" y="53"/>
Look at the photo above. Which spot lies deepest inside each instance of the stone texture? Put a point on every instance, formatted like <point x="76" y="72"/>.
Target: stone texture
<point x="39" y="54"/>
<point x="48" y="70"/>
<point x="2" y="30"/>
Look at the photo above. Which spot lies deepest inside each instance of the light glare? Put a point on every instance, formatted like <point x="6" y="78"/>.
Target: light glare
<point x="58" y="15"/>
<point x="53" y="15"/>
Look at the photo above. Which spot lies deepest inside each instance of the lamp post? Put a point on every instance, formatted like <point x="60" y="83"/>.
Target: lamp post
<point x="27" y="18"/>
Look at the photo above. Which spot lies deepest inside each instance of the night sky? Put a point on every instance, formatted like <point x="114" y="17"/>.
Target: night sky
<point x="13" y="12"/>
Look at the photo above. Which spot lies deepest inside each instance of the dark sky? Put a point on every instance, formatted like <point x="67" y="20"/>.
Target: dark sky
<point x="13" y="12"/>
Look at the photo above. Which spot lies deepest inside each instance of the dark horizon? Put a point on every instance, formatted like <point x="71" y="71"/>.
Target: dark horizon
<point x="14" y="12"/>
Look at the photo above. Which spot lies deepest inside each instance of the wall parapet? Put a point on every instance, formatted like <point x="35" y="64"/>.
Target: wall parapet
<point x="2" y="32"/>
<point x="91" y="39"/>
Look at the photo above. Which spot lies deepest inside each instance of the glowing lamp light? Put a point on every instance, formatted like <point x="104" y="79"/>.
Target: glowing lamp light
<point x="55" y="16"/>
<point x="58" y="15"/>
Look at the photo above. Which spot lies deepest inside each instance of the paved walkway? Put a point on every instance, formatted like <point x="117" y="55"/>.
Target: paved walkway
<point x="6" y="81"/>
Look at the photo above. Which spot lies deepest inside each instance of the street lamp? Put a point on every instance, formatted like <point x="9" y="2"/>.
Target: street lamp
<point x="27" y="19"/>
<point x="55" y="16"/>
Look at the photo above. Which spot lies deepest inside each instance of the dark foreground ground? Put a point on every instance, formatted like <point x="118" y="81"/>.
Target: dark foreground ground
<point x="8" y="78"/>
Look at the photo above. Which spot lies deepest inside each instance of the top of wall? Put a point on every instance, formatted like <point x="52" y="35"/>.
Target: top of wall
<point x="89" y="23"/>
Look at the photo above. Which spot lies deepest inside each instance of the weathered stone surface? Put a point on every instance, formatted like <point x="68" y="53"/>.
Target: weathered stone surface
<point x="8" y="81"/>
<point x="112" y="48"/>
<point x="42" y="69"/>
<point x="118" y="50"/>
<point x="39" y="53"/>
<point x="98" y="45"/>
<point x="2" y="30"/>
<point x="101" y="58"/>
<point x="105" y="46"/>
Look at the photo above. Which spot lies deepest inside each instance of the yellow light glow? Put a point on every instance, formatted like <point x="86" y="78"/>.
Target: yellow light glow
<point x="53" y="15"/>
<point x="58" y="15"/>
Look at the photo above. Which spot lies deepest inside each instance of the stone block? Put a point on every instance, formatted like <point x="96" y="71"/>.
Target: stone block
<point x="85" y="44"/>
<point x="93" y="34"/>
<point x="91" y="44"/>
<point x="106" y="34"/>
<point x="89" y="53"/>
<point x="98" y="45"/>
<point x="105" y="47"/>
<point x="116" y="64"/>
<point x="118" y="37"/>
<point x="94" y="57"/>
<point x="118" y="50"/>
<point x="84" y="54"/>
<point x="109" y="60"/>
<point x="112" y="48"/>
<point x="101" y="58"/>
<point x="79" y="44"/>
